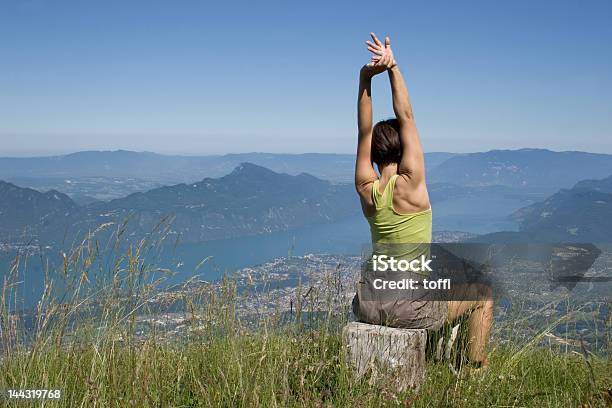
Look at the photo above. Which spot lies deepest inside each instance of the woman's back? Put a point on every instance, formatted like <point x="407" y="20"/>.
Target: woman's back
<point x="388" y="226"/>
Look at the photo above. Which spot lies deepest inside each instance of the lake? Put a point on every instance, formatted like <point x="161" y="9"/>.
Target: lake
<point x="345" y="237"/>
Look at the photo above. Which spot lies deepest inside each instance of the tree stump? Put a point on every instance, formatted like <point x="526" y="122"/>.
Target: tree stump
<point x="397" y="354"/>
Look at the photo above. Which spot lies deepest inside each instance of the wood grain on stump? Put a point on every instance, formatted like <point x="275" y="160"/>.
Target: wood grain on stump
<point x="387" y="352"/>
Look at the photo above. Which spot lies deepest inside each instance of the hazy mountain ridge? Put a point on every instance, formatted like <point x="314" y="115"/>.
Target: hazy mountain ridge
<point x="128" y="163"/>
<point x="537" y="170"/>
<point x="104" y="175"/>
<point x="172" y="168"/>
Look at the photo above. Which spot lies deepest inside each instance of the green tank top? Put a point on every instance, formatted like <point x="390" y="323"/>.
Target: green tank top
<point x="388" y="226"/>
<point x="397" y="235"/>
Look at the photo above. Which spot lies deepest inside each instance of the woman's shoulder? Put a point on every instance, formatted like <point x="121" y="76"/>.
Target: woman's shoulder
<point x="366" y="197"/>
<point x="410" y="197"/>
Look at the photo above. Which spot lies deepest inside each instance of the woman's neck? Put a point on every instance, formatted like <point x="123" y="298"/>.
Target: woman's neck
<point x="387" y="171"/>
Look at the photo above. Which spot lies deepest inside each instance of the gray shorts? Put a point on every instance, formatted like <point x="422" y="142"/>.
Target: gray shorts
<point x="405" y="314"/>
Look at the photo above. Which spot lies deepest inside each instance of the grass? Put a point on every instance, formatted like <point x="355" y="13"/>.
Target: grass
<point x="290" y="370"/>
<point x="90" y="346"/>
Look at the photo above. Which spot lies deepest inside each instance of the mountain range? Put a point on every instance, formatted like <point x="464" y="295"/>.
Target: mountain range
<point x="103" y="175"/>
<point x="169" y="169"/>
<point x="530" y="170"/>
<point x="250" y="200"/>
<point x="253" y="199"/>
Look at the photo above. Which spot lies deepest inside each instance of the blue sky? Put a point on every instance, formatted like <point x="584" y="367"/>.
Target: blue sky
<point x="196" y="77"/>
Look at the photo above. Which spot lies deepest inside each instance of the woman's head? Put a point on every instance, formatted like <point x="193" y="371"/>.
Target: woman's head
<point x="386" y="145"/>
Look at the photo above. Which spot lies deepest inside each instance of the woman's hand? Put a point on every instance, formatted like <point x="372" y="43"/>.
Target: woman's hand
<point x="383" y="55"/>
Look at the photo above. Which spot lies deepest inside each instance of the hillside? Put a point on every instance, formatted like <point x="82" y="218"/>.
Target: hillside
<point x="579" y="214"/>
<point x="25" y="212"/>
<point x="603" y="186"/>
<point x="582" y="213"/>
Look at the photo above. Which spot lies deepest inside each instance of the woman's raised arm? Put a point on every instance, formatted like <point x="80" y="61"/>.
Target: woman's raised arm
<point x="364" y="172"/>
<point x="412" y="162"/>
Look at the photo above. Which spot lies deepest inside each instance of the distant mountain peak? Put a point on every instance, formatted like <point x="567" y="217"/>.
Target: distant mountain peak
<point x="249" y="171"/>
<point x="246" y="167"/>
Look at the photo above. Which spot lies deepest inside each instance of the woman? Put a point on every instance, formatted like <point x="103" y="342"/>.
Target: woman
<point x="396" y="205"/>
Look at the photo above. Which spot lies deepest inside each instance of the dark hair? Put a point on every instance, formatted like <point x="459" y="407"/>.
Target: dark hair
<point x="386" y="145"/>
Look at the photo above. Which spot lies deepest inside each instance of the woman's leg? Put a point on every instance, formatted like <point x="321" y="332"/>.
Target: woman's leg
<point x="480" y="308"/>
